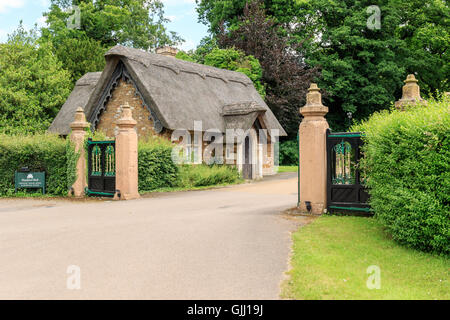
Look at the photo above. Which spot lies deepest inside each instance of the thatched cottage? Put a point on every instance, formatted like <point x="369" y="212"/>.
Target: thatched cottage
<point x="167" y="94"/>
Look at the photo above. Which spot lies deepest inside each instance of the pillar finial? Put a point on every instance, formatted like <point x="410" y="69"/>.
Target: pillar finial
<point x="79" y="122"/>
<point x="314" y="106"/>
<point x="126" y="119"/>
<point x="410" y="93"/>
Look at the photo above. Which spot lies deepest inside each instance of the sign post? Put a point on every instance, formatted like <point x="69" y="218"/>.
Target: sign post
<point x="34" y="180"/>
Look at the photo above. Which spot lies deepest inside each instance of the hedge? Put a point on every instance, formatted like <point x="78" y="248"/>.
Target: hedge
<point x="49" y="153"/>
<point x="204" y="175"/>
<point x="155" y="166"/>
<point x="407" y="167"/>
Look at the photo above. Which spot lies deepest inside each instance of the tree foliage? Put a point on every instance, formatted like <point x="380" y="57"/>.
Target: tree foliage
<point x="285" y="74"/>
<point x="33" y="84"/>
<point x="362" y="69"/>
<point x="104" y="24"/>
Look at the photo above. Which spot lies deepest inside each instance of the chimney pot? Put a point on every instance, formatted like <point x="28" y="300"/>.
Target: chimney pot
<point x="167" y="51"/>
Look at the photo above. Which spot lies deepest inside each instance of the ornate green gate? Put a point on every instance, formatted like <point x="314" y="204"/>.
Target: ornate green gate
<point x="345" y="188"/>
<point x="101" y="168"/>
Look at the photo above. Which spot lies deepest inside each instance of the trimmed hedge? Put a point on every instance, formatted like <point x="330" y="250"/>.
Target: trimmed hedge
<point x="155" y="166"/>
<point x="45" y="152"/>
<point x="407" y="167"/>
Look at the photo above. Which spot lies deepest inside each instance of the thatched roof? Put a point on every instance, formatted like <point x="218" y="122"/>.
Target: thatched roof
<point x="177" y="93"/>
<point x="78" y="98"/>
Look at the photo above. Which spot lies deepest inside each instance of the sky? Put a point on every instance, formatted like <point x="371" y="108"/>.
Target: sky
<point x="184" y="18"/>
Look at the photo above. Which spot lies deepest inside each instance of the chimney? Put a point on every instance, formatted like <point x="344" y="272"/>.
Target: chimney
<point x="167" y="51"/>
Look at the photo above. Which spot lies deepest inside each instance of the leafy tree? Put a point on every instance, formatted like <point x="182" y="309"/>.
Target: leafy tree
<point x="103" y="24"/>
<point x="285" y="74"/>
<point x="362" y="69"/>
<point x="134" y="23"/>
<point x="33" y="84"/>
<point x="229" y="59"/>
<point x="425" y="29"/>
<point x="217" y="13"/>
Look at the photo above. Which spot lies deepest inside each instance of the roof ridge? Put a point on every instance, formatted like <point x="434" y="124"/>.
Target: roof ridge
<point x="178" y="65"/>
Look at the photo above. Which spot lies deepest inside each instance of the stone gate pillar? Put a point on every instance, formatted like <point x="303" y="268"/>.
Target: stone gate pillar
<point x="313" y="159"/>
<point x="126" y="156"/>
<point x="410" y="93"/>
<point x="77" y="136"/>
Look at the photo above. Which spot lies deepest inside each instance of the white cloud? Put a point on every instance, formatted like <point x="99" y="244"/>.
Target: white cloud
<point x="3" y="35"/>
<point x="10" y="4"/>
<point x="42" y="22"/>
<point x="187" y="45"/>
<point x="172" y="18"/>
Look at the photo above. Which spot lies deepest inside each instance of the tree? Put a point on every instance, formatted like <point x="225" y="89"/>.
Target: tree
<point x="219" y="13"/>
<point x="362" y="68"/>
<point x="285" y="74"/>
<point x="229" y="59"/>
<point x="33" y="84"/>
<point x="425" y="29"/>
<point x="102" y="25"/>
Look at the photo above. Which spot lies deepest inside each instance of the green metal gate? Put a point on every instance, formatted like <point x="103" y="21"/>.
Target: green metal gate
<point x="101" y="168"/>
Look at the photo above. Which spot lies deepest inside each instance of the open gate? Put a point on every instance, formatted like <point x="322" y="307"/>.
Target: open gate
<point x="345" y="190"/>
<point x="101" y="168"/>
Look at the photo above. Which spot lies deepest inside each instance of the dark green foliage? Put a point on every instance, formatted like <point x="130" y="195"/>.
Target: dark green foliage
<point x="288" y="153"/>
<point x="47" y="153"/>
<point x="155" y="166"/>
<point x="362" y="69"/>
<point x="406" y="162"/>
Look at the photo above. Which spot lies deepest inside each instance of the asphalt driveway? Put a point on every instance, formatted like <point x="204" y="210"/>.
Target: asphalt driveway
<point x="228" y="243"/>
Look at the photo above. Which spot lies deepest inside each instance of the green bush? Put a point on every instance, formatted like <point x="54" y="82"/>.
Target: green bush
<point x="204" y="175"/>
<point x="288" y="153"/>
<point x="407" y="168"/>
<point x="155" y="166"/>
<point x="43" y="152"/>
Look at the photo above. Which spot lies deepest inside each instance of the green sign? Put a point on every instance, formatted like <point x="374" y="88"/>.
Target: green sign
<point x="30" y="180"/>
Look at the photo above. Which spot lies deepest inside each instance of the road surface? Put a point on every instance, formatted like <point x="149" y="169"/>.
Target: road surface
<point x="227" y="243"/>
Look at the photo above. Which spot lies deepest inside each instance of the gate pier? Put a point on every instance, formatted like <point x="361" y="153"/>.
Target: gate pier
<point x="77" y="136"/>
<point x="313" y="158"/>
<point x="126" y="157"/>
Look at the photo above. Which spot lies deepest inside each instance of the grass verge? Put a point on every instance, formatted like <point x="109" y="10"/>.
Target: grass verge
<point x="287" y="169"/>
<point x="331" y="256"/>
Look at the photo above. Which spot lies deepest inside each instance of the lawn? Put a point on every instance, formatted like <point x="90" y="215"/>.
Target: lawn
<point x="331" y="256"/>
<point x="287" y="169"/>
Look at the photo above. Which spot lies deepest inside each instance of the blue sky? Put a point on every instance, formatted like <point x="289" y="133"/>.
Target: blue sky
<point x="182" y="14"/>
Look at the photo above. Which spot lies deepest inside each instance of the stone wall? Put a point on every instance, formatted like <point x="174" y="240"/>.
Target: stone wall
<point x="125" y="92"/>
